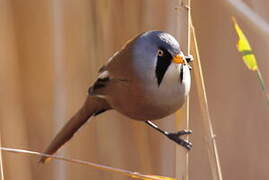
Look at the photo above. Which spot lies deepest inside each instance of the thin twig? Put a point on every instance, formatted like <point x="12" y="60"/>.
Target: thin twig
<point x="249" y="14"/>
<point x="85" y="163"/>
<point x="210" y="136"/>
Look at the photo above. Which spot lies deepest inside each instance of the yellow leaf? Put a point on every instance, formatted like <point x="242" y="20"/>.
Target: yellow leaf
<point x="244" y="48"/>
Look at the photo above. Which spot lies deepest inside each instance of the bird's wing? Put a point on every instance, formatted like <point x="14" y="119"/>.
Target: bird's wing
<point x="100" y="84"/>
<point x="120" y="57"/>
<point x="115" y="70"/>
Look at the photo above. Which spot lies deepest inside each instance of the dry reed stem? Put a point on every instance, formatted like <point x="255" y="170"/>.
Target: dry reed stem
<point x="1" y="161"/>
<point x="86" y="163"/>
<point x="184" y="112"/>
<point x="249" y="14"/>
<point x="188" y="98"/>
<point x="209" y="133"/>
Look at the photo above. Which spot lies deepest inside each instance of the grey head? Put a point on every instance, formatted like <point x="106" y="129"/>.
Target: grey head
<point x="154" y="51"/>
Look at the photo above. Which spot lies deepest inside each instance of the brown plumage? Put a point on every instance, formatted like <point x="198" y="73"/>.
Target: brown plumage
<point x="139" y="82"/>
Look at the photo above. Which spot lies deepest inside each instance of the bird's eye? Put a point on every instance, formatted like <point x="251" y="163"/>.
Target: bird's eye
<point x="160" y="52"/>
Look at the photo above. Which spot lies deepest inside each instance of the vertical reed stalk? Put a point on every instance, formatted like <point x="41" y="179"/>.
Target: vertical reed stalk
<point x="182" y="170"/>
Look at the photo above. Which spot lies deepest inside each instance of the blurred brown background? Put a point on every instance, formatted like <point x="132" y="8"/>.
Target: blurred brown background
<point x="50" y="51"/>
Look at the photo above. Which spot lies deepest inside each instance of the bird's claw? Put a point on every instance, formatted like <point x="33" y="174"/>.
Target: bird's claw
<point x="176" y="137"/>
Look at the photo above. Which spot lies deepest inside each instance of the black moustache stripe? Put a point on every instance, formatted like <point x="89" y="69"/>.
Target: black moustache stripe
<point x="181" y="73"/>
<point x="163" y="63"/>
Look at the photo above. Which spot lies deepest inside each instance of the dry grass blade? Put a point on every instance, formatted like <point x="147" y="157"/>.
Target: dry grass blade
<point x="210" y="136"/>
<point x="124" y="172"/>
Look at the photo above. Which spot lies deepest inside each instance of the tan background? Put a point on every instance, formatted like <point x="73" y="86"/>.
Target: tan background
<point x="50" y="51"/>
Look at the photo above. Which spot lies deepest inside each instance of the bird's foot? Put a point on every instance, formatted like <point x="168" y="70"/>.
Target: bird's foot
<point x="176" y="137"/>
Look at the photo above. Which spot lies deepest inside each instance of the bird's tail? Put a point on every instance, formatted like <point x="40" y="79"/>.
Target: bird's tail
<point x="92" y="106"/>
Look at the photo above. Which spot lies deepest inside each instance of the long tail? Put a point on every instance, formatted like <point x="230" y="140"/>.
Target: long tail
<point x="92" y="106"/>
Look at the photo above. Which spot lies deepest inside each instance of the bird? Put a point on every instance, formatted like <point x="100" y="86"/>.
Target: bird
<point x="147" y="79"/>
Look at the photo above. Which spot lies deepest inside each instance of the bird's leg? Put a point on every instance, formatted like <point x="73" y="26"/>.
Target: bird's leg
<point x="173" y="136"/>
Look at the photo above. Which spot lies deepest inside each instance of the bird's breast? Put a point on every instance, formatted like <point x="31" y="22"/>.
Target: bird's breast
<point x="146" y="100"/>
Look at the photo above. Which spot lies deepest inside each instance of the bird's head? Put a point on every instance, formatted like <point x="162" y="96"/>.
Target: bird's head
<point x="158" y="50"/>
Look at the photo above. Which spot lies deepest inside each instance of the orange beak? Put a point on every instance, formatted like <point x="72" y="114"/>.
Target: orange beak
<point x="178" y="59"/>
